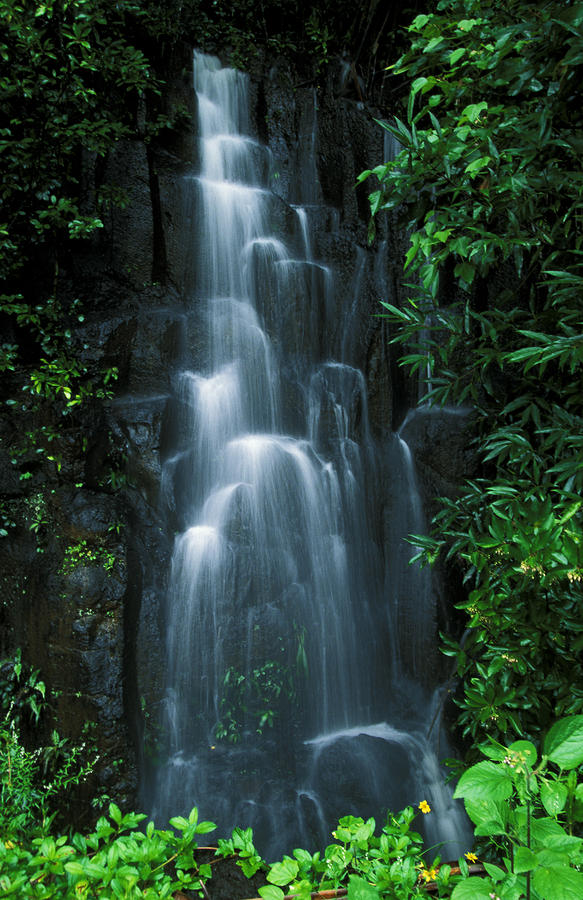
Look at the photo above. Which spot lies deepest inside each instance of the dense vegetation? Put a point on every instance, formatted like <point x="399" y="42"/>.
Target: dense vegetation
<point x="490" y="186"/>
<point x="489" y="180"/>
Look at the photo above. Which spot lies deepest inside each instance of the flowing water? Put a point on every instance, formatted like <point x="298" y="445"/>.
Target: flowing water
<point x="295" y="641"/>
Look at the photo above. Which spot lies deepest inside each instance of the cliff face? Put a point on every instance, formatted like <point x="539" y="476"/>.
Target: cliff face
<point x="86" y="564"/>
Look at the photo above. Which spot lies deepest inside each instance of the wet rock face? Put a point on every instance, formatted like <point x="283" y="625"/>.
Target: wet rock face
<point x="440" y="440"/>
<point x="84" y="588"/>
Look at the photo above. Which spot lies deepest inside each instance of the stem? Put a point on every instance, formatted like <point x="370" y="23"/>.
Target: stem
<point x="165" y="863"/>
<point x="528" y="845"/>
<point x="316" y="895"/>
<point x="204" y="890"/>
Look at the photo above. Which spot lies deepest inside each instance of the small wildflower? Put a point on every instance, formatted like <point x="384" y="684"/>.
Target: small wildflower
<point x="428" y="874"/>
<point x="9" y="845"/>
<point x="471" y="857"/>
<point x="424" y="807"/>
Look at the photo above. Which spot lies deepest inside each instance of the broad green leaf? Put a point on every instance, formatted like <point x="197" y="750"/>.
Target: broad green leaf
<point x="564" y="742"/>
<point x="558" y="883"/>
<point x="270" y="892"/>
<point x="419" y="23"/>
<point x="375" y="200"/>
<point x="74" y="868"/>
<point x="553" y="857"/>
<point x="477" y="165"/>
<point x="484" y="781"/>
<point x="433" y="43"/>
<point x="473" y="889"/>
<point x="467" y="24"/>
<point x="456" y="55"/>
<point x="418" y="84"/>
<point x="115" y="813"/>
<point x="465" y="271"/>
<point x="283" y="872"/>
<point x="489" y="817"/>
<point x="548" y="833"/>
<point x="473" y="111"/>
<point x="553" y="795"/>
<point x="359" y="889"/>
<point x="495" y="872"/>
<point x="524" y="860"/>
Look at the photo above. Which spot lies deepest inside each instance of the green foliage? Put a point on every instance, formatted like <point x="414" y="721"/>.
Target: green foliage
<point x="488" y="183"/>
<point x="85" y="554"/>
<point x="72" y="78"/>
<point x="524" y="807"/>
<point x="527" y="808"/>
<point x="115" y="860"/>
<point x="33" y="782"/>
<point x="253" y="701"/>
<point x="387" y="865"/>
<point x="20" y="793"/>
<point x="67" y="72"/>
<point x="320" y="38"/>
<point x="241" y="845"/>
<point x="22" y="692"/>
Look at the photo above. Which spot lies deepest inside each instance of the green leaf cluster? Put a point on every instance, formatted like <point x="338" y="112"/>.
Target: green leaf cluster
<point x="389" y="864"/>
<point x="528" y="811"/>
<point x="70" y="80"/>
<point x="72" y="77"/>
<point x="115" y="860"/>
<point x="253" y="701"/>
<point x="488" y="183"/>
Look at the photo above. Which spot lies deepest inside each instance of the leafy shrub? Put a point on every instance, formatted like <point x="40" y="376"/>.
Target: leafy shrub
<point x="115" y="860"/>
<point x="488" y="182"/>
<point x="528" y="808"/>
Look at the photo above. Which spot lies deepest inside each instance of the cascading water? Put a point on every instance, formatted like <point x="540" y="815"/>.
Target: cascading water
<point x="285" y="659"/>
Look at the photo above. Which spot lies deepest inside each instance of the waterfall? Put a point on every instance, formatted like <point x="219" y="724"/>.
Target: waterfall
<point x="289" y="698"/>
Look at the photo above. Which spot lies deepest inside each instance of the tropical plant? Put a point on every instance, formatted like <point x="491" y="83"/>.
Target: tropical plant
<point x="71" y="82"/>
<point x="391" y="864"/>
<point x="528" y="808"/>
<point x="488" y="183"/>
<point x="115" y="860"/>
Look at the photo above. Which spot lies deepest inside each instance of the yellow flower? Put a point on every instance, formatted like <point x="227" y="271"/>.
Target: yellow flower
<point x="471" y="857"/>
<point x="424" y="807"/>
<point x="429" y="874"/>
<point x="9" y="845"/>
